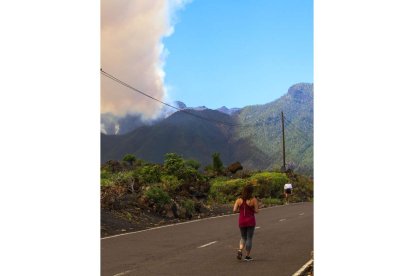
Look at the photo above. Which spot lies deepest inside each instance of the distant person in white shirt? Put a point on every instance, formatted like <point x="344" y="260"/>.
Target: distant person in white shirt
<point x="288" y="191"/>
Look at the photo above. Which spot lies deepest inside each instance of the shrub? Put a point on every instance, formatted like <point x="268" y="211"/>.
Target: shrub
<point x="302" y="189"/>
<point x="130" y="158"/>
<point x="225" y="191"/>
<point x="114" y="186"/>
<point x="116" y="179"/>
<point x="208" y="168"/>
<point x="105" y="174"/>
<point x="121" y="178"/>
<point x="158" y="197"/>
<point x="173" y="164"/>
<point x="269" y="184"/>
<point x="110" y="194"/>
<point x="148" y="174"/>
<point x="128" y="216"/>
<point x="189" y="207"/>
<point x="112" y="166"/>
<point x="107" y="178"/>
<point x="193" y="164"/>
<point x="170" y="183"/>
<point x="272" y="201"/>
<point x="183" y="169"/>
<point x="217" y="163"/>
<point x="189" y="174"/>
<point x="106" y="182"/>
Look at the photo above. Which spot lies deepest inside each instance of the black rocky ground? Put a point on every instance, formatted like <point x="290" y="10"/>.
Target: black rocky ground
<point x="134" y="218"/>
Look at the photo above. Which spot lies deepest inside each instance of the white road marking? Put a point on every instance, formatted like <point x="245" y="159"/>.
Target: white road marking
<point x="303" y="268"/>
<point x="257" y="227"/>
<point x="169" y="225"/>
<point x="123" y="273"/>
<point x="301" y="214"/>
<point x="282" y="219"/>
<point x="210" y="243"/>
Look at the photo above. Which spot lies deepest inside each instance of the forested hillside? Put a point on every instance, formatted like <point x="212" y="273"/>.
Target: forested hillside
<point x="266" y="130"/>
<point x="251" y="135"/>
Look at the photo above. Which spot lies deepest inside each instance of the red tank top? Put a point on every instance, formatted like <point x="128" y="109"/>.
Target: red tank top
<point x="246" y="216"/>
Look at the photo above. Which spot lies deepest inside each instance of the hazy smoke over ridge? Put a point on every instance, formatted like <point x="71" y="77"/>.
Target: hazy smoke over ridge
<point x="132" y="50"/>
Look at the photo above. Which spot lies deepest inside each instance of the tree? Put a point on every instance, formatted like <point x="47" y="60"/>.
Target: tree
<point x="186" y="170"/>
<point x="217" y="164"/>
<point x="130" y="158"/>
<point x="174" y="164"/>
<point x="193" y="164"/>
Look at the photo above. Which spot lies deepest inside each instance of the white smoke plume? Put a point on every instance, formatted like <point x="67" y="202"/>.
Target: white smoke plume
<point x="132" y="50"/>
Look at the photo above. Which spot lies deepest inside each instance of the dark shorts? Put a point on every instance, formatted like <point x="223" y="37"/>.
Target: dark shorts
<point x="288" y="191"/>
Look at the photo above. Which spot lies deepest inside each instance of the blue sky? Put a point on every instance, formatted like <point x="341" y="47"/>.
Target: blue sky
<point x="239" y="53"/>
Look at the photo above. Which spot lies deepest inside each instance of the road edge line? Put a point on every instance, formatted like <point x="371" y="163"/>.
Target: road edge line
<point x="123" y="273"/>
<point x="164" y="226"/>
<point x="191" y="221"/>
<point x="303" y="268"/>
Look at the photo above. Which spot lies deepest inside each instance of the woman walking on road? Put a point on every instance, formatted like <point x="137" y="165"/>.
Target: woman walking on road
<point x="288" y="191"/>
<point x="247" y="206"/>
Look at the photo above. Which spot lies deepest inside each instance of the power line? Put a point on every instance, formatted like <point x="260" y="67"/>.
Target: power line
<point x="179" y="109"/>
<point x="257" y="124"/>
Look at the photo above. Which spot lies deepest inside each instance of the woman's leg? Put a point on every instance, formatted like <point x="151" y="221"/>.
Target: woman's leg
<point x="249" y="239"/>
<point x="286" y="197"/>
<point x="243" y="232"/>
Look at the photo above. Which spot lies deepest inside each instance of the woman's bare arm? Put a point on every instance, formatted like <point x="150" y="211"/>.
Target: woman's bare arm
<point x="236" y="206"/>
<point x="256" y="205"/>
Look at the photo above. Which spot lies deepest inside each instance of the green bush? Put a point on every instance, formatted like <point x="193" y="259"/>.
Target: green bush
<point x="189" y="207"/>
<point x="302" y="189"/>
<point x="148" y="174"/>
<point x="157" y="196"/>
<point x="121" y="178"/>
<point x="226" y="191"/>
<point x="272" y="201"/>
<point x="129" y="158"/>
<point x="106" y="182"/>
<point x="193" y="164"/>
<point x="269" y="184"/>
<point x="217" y="163"/>
<point x="189" y="174"/>
<point x="128" y="216"/>
<point x="183" y="169"/>
<point x="116" y="179"/>
<point x="111" y="194"/>
<point x="173" y="164"/>
<point x="208" y="168"/>
<point x="170" y="183"/>
<point x="107" y="178"/>
<point x="105" y="174"/>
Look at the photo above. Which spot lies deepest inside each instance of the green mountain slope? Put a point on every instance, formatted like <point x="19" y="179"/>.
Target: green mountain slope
<point x="191" y="137"/>
<point x="266" y="132"/>
<point x="257" y="145"/>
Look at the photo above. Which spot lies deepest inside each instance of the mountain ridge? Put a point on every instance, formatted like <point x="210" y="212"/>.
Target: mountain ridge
<point x="117" y="125"/>
<point x="256" y="147"/>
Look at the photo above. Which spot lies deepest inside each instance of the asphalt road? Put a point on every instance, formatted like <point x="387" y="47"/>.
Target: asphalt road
<point x="282" y="243"/>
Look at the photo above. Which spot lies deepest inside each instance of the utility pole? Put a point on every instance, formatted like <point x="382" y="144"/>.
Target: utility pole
<point x="283" y="143"/>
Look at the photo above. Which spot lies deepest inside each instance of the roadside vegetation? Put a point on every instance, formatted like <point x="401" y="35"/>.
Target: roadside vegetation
<point x="182" y="189"/>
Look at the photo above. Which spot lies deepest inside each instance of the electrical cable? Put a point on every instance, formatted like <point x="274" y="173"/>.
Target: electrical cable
<point x="179" y="109"/>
